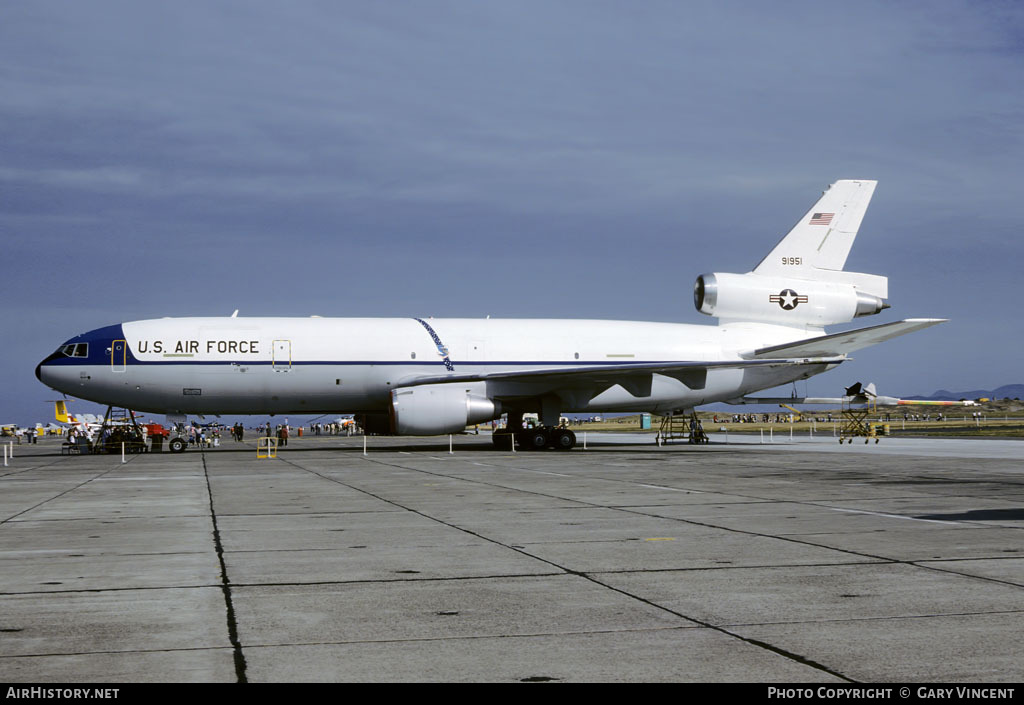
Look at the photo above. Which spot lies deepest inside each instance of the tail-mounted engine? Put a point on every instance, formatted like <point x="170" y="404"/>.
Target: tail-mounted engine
<point x="782" y="300"/>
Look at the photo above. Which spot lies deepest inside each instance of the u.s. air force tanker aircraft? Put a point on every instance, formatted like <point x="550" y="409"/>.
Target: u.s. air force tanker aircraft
<point x="424" y="376"/>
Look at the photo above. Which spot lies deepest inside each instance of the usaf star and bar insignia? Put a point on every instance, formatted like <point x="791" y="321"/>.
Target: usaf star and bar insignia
<point x="787" y="299"/>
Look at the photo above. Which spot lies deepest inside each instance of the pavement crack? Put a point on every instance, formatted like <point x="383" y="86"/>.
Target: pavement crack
<point x="754" y="642"/>
<point x="722" y="630"/>
<point x="236" y="645"/>
<point x="58" y="495"/>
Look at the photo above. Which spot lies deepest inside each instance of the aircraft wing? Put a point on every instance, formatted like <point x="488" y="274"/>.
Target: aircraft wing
<point x="691" y="373"/>
<point x="635" y="377"/>
<point x="839" y="344"/>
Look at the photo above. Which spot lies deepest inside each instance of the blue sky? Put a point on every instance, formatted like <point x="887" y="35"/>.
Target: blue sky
<point x="528" y="159"/>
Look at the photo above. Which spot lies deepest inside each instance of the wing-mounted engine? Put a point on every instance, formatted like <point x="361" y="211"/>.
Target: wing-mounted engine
<point x="787" y="300"/>
<point x="432" y="409"/>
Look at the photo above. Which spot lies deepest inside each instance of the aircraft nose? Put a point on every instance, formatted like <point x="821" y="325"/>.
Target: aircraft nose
<point x="44" y="361"/>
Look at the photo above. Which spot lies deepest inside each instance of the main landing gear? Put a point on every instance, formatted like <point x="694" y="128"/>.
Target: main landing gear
<point x="537" y="438"/>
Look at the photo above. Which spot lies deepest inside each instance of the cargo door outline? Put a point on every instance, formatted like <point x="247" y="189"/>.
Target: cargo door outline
<point x="119" y="356"/>
<point x="281" y="359"/>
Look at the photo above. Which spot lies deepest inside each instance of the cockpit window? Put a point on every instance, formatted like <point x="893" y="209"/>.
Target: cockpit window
<point x="76" y="350"/>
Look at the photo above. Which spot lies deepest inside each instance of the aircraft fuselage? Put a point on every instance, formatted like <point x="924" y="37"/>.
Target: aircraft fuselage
<point x="351" y="365"/>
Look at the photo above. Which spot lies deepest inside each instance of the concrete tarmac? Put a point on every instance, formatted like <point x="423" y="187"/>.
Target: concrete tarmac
<point x="801" y="561"/>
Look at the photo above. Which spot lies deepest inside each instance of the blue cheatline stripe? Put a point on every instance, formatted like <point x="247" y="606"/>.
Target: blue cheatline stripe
<point x="369" y="363"/>
<point x="441" y="349"/>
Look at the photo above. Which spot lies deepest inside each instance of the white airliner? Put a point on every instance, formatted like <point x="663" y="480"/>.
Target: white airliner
<point x="423" y="376"/>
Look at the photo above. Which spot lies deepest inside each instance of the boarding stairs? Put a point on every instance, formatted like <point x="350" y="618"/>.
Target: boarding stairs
<point x="677" y="428"/>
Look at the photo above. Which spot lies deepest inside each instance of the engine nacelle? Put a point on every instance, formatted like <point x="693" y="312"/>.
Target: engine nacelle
<point x="782" y="300"/>
<point x="434" y="409"/>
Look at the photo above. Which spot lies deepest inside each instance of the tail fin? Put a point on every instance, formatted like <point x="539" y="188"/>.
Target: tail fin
<point x="817" y="247"/>
<point x="60" y="411"/>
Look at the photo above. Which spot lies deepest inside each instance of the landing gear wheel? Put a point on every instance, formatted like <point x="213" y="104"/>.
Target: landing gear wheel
<point x="563" y="439"/>
<point x="534" y="439"/>
<point x="177" y="445"/>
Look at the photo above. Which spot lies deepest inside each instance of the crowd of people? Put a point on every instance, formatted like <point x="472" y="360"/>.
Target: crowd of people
<point x="335" y="428"/>
<point x="766" y="418"/>
<point x="202" y="437"/>
<point x="209" y="436"/>
<point x="922" y="417"/>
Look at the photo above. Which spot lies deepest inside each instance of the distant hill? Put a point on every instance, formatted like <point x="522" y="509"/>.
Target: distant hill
<point x="1012" y="391"/>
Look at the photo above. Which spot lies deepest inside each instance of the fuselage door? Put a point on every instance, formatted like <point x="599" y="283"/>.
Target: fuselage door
<point x="282" y="355"/>
<point x="119" y="355"/>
